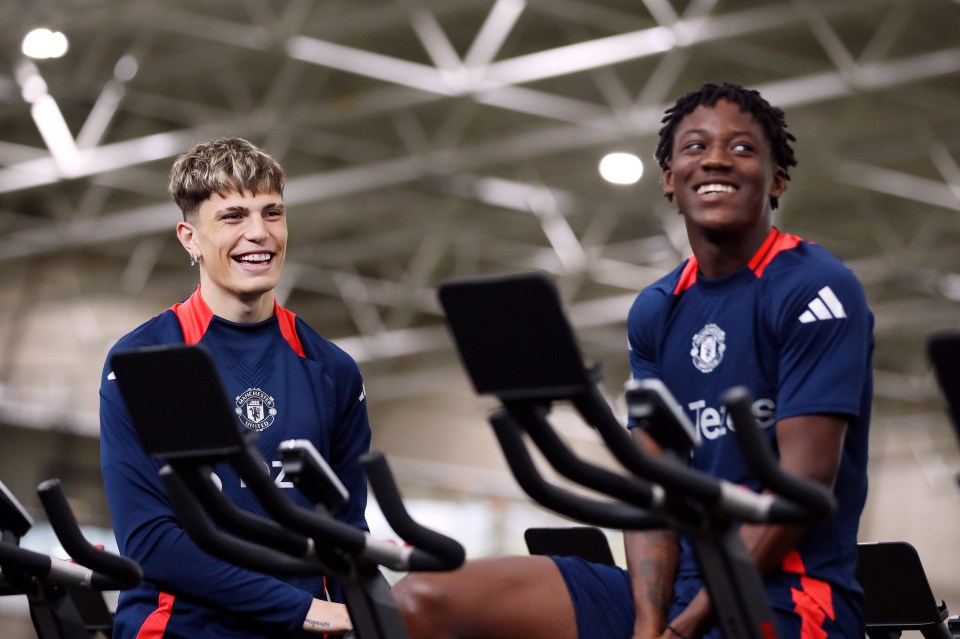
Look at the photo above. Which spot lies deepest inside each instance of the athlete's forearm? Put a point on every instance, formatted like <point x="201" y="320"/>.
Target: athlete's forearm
<point x="327" y="617"/>
<point x="652" y="557"/>
<point x="652" y="566"/>
<point x="770" y="544"/>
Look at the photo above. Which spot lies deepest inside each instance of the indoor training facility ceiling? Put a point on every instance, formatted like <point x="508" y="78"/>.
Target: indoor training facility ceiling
<point x="432" y="139"/>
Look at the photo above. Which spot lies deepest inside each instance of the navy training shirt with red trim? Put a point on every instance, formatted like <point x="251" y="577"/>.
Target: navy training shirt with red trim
<point x="794" y="328"/>
<point x="287" y="382"/>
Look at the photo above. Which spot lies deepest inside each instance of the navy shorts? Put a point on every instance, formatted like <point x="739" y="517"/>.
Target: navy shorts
<point x="602" y="598"/>
<point x="807" y="609"/>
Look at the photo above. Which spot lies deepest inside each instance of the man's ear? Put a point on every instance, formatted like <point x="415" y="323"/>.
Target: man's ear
<point x="779" y="185"/>
<point x="187" y="237"/>
<point x="667" y="181"/>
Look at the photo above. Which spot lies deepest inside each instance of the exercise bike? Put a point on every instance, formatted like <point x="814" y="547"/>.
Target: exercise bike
<point x="63" y="596"/>
<point x="297" y="541"/>
<point x="541" y="366"/>
<point x="516" y="344"/>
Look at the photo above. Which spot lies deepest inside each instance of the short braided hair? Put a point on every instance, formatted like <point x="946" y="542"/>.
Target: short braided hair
<point x="770" y="118"/>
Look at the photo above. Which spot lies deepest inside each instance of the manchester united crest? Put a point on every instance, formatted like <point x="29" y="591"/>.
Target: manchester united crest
<point x="255" y="409"/>
<point x="708" y="348"/>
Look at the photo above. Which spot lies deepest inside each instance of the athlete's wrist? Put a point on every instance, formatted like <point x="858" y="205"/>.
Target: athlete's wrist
<point x="328" y="618"/>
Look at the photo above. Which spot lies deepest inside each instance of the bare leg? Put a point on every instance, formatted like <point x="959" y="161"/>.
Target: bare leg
<point x="495" y="598"/>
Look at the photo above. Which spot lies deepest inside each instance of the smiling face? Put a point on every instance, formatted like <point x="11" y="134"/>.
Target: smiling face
<point x="722" y="173"/>
<point x="240" y="242"/>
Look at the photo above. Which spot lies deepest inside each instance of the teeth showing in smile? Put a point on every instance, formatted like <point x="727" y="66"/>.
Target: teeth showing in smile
<point x="715" y="188"/>
<point x="254" y="258"/>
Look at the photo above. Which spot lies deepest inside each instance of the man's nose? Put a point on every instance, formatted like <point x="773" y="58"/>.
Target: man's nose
<point x="716" y="156"/>
<point x="256" y="228"/>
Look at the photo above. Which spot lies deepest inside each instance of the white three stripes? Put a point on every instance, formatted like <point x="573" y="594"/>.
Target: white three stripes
<point x="823" y="307"/>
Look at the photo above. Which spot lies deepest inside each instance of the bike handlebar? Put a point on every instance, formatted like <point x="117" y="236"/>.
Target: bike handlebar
<point x="530" y="364"/>
<point x="669" y="474"/>
<point x="681" y="484"/>
<point x="718" y="494"/>
<point x="318" y="530"/>
<point x="531" y="416"/>
<point x="61" y="571"/>
<point x="91" y="567"/>
<point x="814" y="499"/>
<point x="197" y="477"/>
<point x="125" y="572"/>
<point x="235" y="550"/>
<point x="431" y="549"/>
<point x="593" y="511"/>
<point x="312" y="475"/>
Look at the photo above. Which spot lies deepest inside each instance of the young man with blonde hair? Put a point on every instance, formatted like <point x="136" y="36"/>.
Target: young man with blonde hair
<point x="287" y="382"/>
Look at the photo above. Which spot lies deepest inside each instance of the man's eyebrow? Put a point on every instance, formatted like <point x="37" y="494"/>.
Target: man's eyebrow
<point x="733" y="134"/>
<point x="239" y="208"/>
<point x="236" y="208"/>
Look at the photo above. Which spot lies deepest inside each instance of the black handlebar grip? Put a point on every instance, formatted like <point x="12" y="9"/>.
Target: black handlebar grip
<point x="606" y="514"/>
<point x="815" y="499"/>
<point x="672" y="476"/>
<point x="125" y="572"/>
<point x="20" y="565"/>
<point x="24" y="560"/>
<point x="243" y="553"/>
<point x="628" y="489"/>
<point x="322" y="528"/>
<point x="448" y="551"/>
<point x="237" y="521"/>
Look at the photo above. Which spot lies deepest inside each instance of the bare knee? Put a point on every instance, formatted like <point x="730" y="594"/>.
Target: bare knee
<point x="425" y="605"/>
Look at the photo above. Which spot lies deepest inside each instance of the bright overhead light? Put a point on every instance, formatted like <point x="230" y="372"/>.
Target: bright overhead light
<point x="126" y="68"/>
<point x="43" y="43"/>
<point x="621" y="168"/>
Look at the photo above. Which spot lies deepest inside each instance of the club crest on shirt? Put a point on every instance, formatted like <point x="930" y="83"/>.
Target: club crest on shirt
<point x="708" y="348"/>
<point x="255" y="409"/>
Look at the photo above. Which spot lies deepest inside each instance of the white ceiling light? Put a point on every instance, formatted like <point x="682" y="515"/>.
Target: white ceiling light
<point x="126" y="68"/>
<point x="621" y="168"/>
<point x="43" y="43"/>
<point x="49" y="119"/>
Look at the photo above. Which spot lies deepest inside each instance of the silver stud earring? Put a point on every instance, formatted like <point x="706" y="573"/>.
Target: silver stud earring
<point x="193" y="260"/>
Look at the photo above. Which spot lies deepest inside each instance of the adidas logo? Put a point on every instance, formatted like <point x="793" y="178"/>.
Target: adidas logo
<point x="823" y="307"/>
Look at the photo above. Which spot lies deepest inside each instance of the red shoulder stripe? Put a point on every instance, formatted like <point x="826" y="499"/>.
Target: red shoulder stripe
<point x="775" y="244"/>
<point x="288" y="328"/>
<point x="688" y="276"/>
<point x="194" y="316"/>
<point x="156" y="622"/>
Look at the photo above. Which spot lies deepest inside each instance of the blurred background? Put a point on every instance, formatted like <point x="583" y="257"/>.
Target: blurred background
<point x="434" y="139"/>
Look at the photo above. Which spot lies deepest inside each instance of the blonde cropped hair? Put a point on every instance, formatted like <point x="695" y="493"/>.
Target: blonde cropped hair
<point x="222" y="166"/>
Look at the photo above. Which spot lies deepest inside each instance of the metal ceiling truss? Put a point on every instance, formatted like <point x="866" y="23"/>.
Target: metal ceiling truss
<point x="462" y="82"/>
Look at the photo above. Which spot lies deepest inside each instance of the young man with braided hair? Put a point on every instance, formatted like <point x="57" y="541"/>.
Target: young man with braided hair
<point x="287" y="381"/>
<point x="753" y="306"/>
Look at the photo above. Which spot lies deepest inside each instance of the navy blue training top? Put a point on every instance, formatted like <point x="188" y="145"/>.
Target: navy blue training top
<point x="793" y="327"/>
<point x="287" y="382"/>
